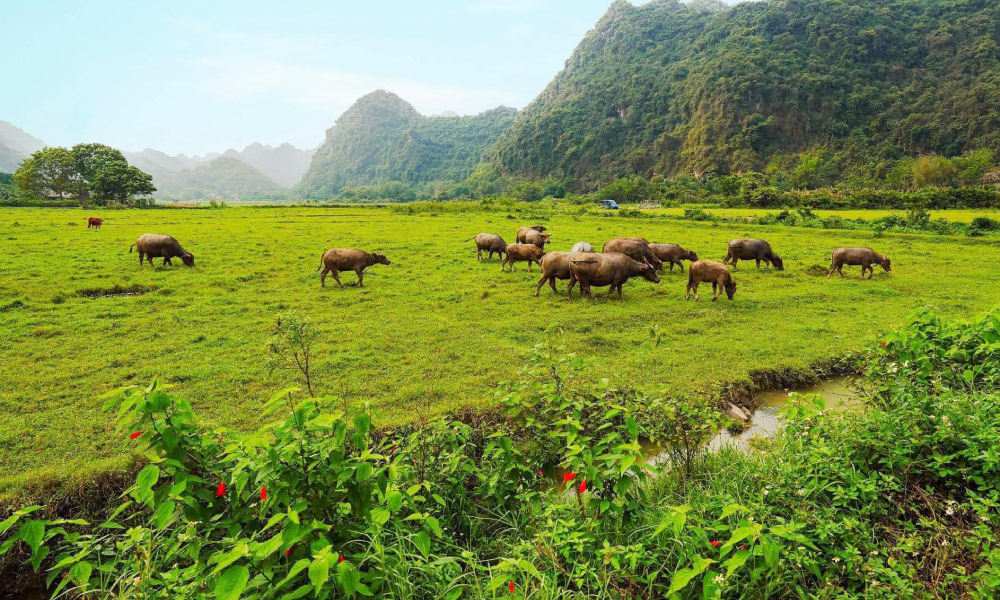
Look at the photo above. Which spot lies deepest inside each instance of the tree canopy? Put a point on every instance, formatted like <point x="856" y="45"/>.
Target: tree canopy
<point x="95" y="172"/>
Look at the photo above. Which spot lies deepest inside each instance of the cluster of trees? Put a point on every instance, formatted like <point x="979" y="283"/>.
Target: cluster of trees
<point x="88" y="172"/>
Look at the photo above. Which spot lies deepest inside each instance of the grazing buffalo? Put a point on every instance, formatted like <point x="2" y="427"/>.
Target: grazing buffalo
<point x="555" y="265"/>
<point x="612" y="269"/>
<point x="866" y="257"/>
<point x="759" y="250"/>
<point x="709" y="270"/>
<point x="522" y="233"/>
<point x="582" y="247"/>
<point x="527" y="252"/>
<point x="487" y="242"/>
<point x="635" y="248"/>
<point x="153" y="245"/>
<point x="94" y="222"/>
<point x="336" y="260"/>
<point x="673" y="254"/>
<point x="536" y="238"/>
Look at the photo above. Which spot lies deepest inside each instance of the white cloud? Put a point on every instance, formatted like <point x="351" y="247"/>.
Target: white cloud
<point x="237" y="79"/>
<point x="505" y="6"/>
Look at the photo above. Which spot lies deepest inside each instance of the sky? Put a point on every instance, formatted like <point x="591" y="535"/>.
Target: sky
<point x="195" y="77"/>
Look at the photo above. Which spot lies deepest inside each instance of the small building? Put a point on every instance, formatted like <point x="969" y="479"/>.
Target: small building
<point x="609" y="204"/>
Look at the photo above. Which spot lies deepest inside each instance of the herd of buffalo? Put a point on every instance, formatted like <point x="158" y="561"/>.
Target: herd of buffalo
<point x="620" y="259"/>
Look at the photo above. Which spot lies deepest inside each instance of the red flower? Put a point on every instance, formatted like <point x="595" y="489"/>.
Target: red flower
<point x="135" y="435"/>
<point x="743" y="547"/>
<point x="289" y="551"/>
<point x="862" y="367"/>
<point x="221" y="490"/>
<point x="263" y="493"/>
<point x="714" y="543"/>
<point x="583" y="486"/>
<point x="883" y="343"/>
<point x="510" y="586"/>
<point x="340" y="558"/>
<point x="540" y="474"/>
<point x="393" y="449"/>
<point x="569" y="476"/>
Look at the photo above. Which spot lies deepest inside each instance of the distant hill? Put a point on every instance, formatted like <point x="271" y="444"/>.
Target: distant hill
<point x="382" y="138"/>
<point x="223" y="178"/>
<point x="15" y="146"/>
<point x="267" y="171"/>
<point x="665" y="88"/>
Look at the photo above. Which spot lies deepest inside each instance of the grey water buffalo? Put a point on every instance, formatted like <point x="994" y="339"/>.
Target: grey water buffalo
<point x="673" y="254"/>
<point x="526" y="252"/>
<point x="336" y="260"/>
<point x="635" y="248"/>
<point x="612" y="269"/>
<point x="582" y="247"/>
<point x="522" y="232"/>
<point x="154" y="245"/>
<point x="492" y="244"/>
<point x="536" y="238"/>
<point x="555" y="265"/>
<point x="866" y="257"/>
<point x="710" y="271"/>
<point x="758" y="250"/>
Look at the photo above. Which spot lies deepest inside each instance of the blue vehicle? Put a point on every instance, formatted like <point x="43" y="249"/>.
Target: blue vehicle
<point x="609" y="204"/>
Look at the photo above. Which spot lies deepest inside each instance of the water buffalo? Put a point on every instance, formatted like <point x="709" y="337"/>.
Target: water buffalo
<point x="487" y="242"/>
<point x="709" y="270"/>
<point x="759" y="250"/>
<point x="536" y="238"/>
<point x="582" y="247"/>
<point x="527" y="252"/>
<point x="673" y="254"/>
<point x="612" y="269"/>
<point x="866" y="257"/>
<point x="336" y="260"/>
<point x="94" y="222"/>
<point x="555" y="265"/>
<point x="153" y="245"/>
<point x="635" y="248"/>
<point x="522" y="232"/>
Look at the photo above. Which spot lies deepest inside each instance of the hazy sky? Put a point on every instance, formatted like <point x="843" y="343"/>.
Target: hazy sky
<point x="194" y="77"/>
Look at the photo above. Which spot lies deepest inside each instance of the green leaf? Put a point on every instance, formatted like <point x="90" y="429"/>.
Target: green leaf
<point x="9" y="521"/>
<point x="394" y="500"/>
<point x="80" y="574"/>
<point x="31" y="533"/>
<point x="148" y="477"/>
<point x="299" y="593"/>
<point x="380" y="516"/>
<point x="349" y="577"/>
<point x="423" y="543"/>
<point x="683" y="576"/>
<point x="164" y="513"/>
<point x="231" y="583"/>
<point x="319" y="572"/>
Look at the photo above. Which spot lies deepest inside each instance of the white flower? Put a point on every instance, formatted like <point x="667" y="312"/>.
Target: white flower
<point x="836" y="559"/>
<point x="801" y="548"/>
<point x="949" y="511"/>
<point x="766" y="491"/>
<point x="719" y="578"/>
<point x="801" y="492"/>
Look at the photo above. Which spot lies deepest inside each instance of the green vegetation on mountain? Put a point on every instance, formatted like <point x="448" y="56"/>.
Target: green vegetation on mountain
<point x="382" y="138"/>
<point x="853" y="85"/>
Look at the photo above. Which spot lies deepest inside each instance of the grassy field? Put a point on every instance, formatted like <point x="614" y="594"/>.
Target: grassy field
<point x="956" y="216"/>
<point x="434" y="330"/>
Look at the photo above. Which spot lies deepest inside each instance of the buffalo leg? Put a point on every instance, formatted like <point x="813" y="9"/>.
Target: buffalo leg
<point x="322" y="277"/>
<point x="361" y="278"/>
<point x="503" y="263"/>
<point x="735" y="260"/>
<point x="552" y="284"/>
<point x="694" y="288"/>
<point x="840" y="269"/>
<point x="830" y="272"/>
<point x="149" y="257"/>
<point x="166" y="261"/>
<point x="680" y="265"/>
<point x="569" y="289"/>
<point x="541" y="282"/>
<point x="620" y="292"/>
<point x="336" y="277"/>
<point x="142" y="257"/>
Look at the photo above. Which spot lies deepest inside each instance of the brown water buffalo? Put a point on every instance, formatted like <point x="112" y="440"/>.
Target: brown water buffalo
<point x="94" y="222"/>
<point x="153" y="245"/>
<point x="611" y="269"/>
<point x="522" y="232"/>
<point x="536" y="238"/>
<point x="555" y="265"/>
<point x="635" y="248"/>
<point x="709" y="270"/>
<point x="336" y="260"/>
<point x="866" y="257"/>
<point x="487" y="242"/>
<point x="673" y="254"/>
<point x="527" y="252"/>
<point x="582" y="247"/>
<point x="759" y="250"/>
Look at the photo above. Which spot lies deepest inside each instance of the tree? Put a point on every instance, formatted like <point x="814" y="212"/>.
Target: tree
<point x="116" y="181"/>
<point x="48" y="170"/>
<point x="933" y="170"/>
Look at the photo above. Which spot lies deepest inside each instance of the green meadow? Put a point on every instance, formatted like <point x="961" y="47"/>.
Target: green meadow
<point x="953" y="215"/>
<point x="435" y="330"/>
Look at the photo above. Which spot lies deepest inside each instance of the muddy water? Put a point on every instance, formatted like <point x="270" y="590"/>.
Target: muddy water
<point x="838" y="392"/>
